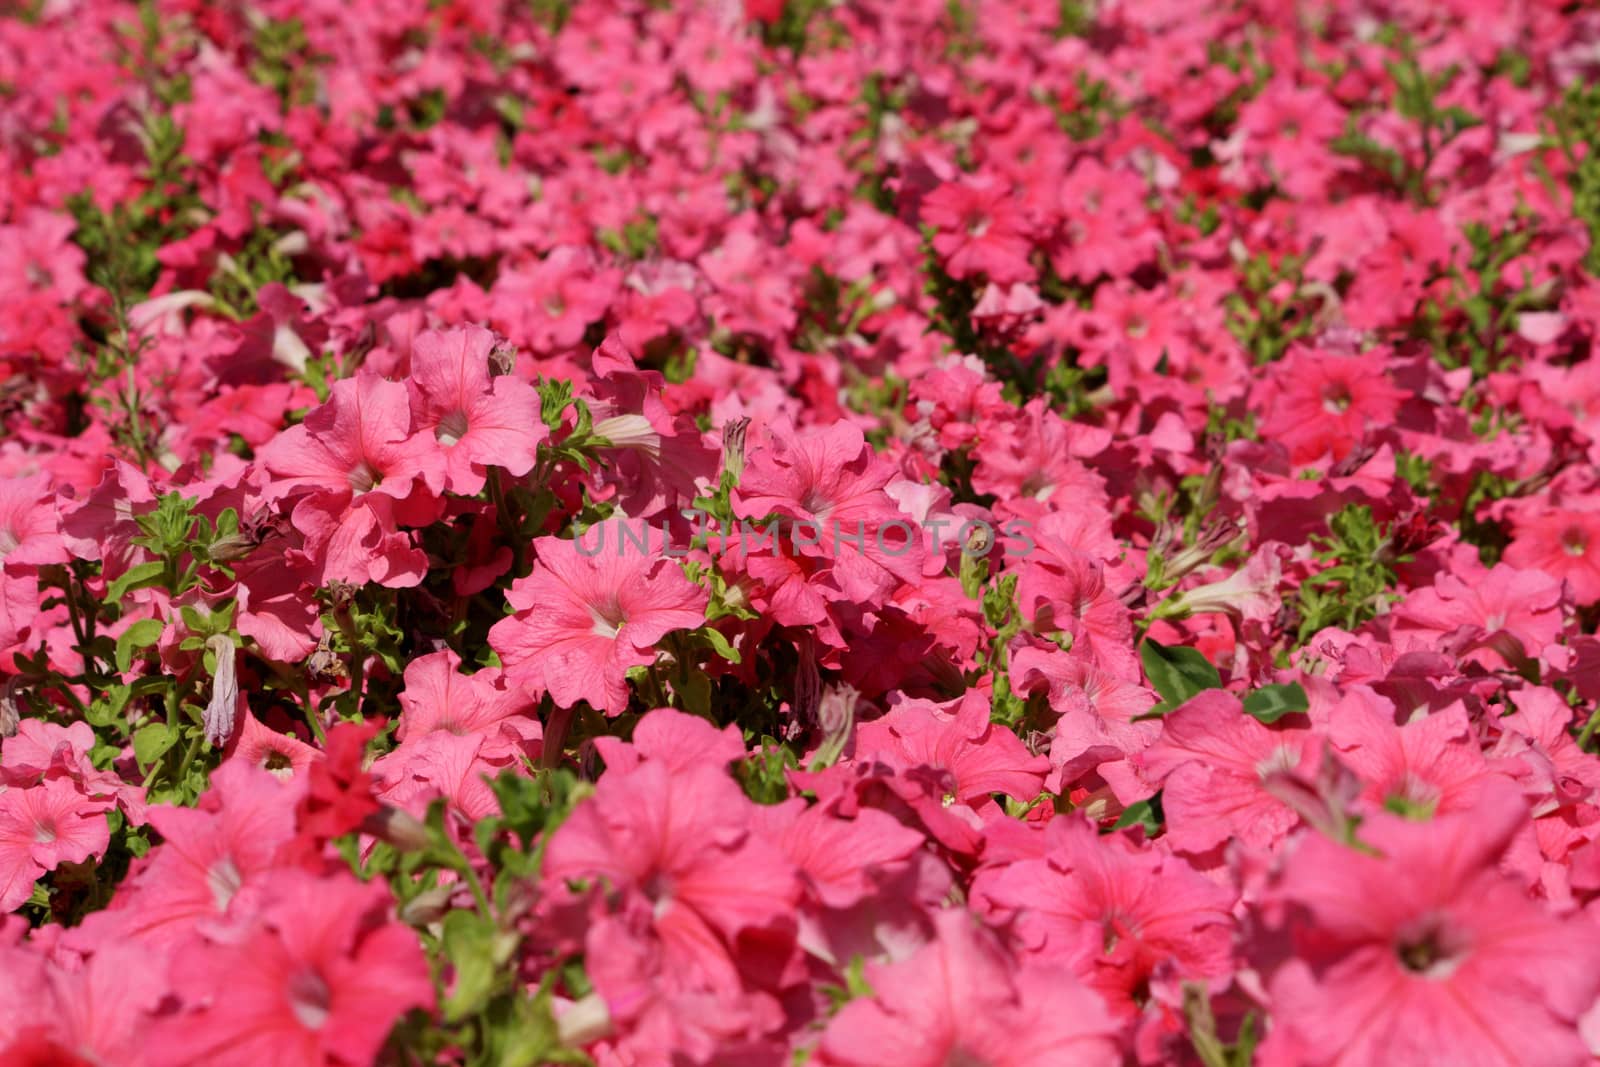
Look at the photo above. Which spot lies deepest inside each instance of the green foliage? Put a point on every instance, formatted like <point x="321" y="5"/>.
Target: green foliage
<point x="1270" y="703"/>
<point x="1176" y="673"/>
<point x="764" y="773"/>
<point x="1267" y="312"/>
<point x="1358" y="582"/>
<point x="1575" y="128"/>
<point x="1143" y="813"/>
<point x="488" y="1016"/>
<point x="285" y="63"/>
<point x="1416" y="97"/>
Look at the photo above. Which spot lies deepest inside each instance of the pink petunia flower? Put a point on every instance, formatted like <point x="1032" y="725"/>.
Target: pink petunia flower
<point x="1563" y="543"/>
<point x="1419" y="951"/>
<point x="43" y="827"/>
<point x="1320" y="404"/>
<point x="681" y="843"/>
<point x="480" y="421"/>
<point x="983" y="230"/>
<point x="583" y="619"/>
<point x="827" y="488"/>
<point x="959" y="1000"/>
<point x="30" y="526"/>
<point x="1215" y="765"/>
<point x="1496" y="620"/>
<point x="358" y="471"/>
<point x="319" y="979"/>
<point x="1116" y="914"/>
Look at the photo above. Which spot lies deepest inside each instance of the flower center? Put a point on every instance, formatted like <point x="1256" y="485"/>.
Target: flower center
<point x="310" y="999"/>
<point x="608" y="618"/>
<point x="364" y="478"/>
<point x="223" y="879"/>
<point x="961" y="1057"/>
<point x="278" y="765"/>
<point x="8" y="541"/>
<point x="1038" y="486"/>
<point x="815" y="502"/>
<point x="1280" y="760"/>
<point x="44" y="832"/>
<point x="1336" y="398"/>
<point x="1430" y="952"/>
<point x="1573" y="540"/>
<point x="1412" y="798"/>
<point x="452" y="428"/>
<point x="658" y="890"/>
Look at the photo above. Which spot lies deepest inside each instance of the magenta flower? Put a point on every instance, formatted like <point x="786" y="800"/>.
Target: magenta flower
<point x="983" y="230"/>
<point x="1116" y="914"/>
<point x="357" y="471"/>
<point x="1420" y="951"/>
<point x="480" y="421"/>
<point x="960" y="1000"/>
<point x="582" y="620"/>
<point x="43" y="827"/>
<point x="1215" y="765"/>
<point x="319" y="978"/>
<point x="681" y="843"/>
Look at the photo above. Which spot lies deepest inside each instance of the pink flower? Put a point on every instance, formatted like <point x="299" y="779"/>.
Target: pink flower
<point x="681" y="844"/>
<point x="957" y="748"/>
<point x="840" y="860"/>
<point x="93" y="1013"/>
<point x="983" y="230"/>
<point x="1215" y="763"/>
<point x="438" y="696"/>
<point x="1524" y="608"/>
<point x="30" y="527"/>
<point x="43" y="827"/>
<point x="319" y="978"/>
<point x="959" y="1000"/>
<point x="207" y="856"/>
<point x="1067" y="593"/>
<point x="281" y="755"/>
<point x="1116" y="914"/>
<point x="480" y="421"/>
<point x="549" y="304"/>
<point x="1420" y="951"/>
<point x="583" y="619"/>
<point x="1562" y="543"/>
<point x="1432" y="764"/>
<point x="362" y="472"/>
<point x="1321" y="404"/>
<point x="856" y="543"/>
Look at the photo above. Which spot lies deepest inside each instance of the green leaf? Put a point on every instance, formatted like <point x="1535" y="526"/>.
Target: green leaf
<point x="1177" y="673"/>
<point x="1146" y="813"/>
<point x="1272" y="702"/>
<point x="469" y="944"/>
<point x="141" y="634"/>
<point x="719" y="644"/>
<point x="151" y="741"/>
<point x="135" y="577"/>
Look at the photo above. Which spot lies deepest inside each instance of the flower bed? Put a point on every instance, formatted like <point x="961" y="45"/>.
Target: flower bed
<point x="987" y="532"/>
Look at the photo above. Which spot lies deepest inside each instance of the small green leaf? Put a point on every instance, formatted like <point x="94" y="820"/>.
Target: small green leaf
<point x="1272" y="702"/>
<point x="476" y="949"/>
<point x="141" y="634"/>
<point x="719" y="644"/>
<point x="1146" y="813"/>
<point x="135" y="577"/>
<point x="151" y="741"/>
<point x="1177" y="673"/>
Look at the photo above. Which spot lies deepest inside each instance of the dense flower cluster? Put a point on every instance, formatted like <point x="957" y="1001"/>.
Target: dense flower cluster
<point x="844" y="532"/>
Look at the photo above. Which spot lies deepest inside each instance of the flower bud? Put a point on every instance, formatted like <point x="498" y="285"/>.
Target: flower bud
<point x="223" y="710"/>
